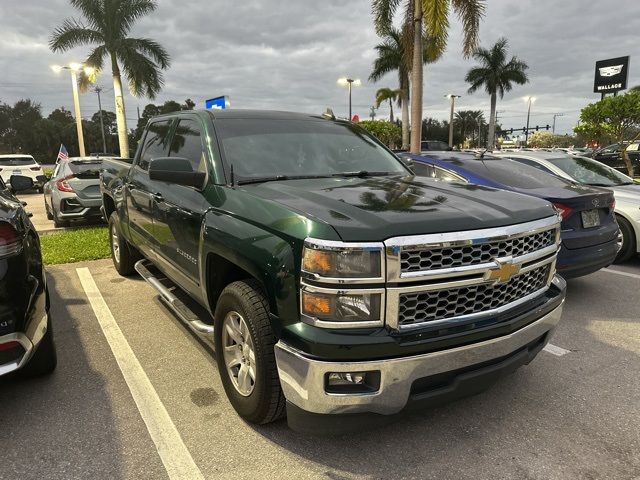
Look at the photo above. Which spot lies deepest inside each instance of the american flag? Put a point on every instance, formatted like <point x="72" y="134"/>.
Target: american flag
<point x="62" y="154"/>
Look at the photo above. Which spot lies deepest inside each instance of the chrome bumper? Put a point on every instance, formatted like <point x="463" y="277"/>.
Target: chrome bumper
<point x="303" y="379"/>
<point x="38" y="331"/>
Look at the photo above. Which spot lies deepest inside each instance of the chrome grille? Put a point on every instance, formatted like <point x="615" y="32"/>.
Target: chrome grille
<point x="417" y="260"/>
<point x="435" y="305"/>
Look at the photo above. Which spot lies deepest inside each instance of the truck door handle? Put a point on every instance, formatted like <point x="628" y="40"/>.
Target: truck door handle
<point x="158" y="197"/>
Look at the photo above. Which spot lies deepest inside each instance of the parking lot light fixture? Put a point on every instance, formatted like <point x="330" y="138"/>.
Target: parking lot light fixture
<point x="349" y="82"/>
<point x="74" y="68"/>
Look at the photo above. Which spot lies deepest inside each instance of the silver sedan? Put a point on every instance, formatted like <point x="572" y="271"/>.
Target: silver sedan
<point x="590" y="172"/>
<point x="73" y="193"/>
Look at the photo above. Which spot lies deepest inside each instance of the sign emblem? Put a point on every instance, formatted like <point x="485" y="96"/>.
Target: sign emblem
<point x="595" y="202"/>
<point x="610" y="71"/>
<point x="504" y="272"/>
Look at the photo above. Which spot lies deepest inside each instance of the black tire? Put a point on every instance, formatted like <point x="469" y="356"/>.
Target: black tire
<point x="628" y="240"/>
<point x="124" y="256"/>
<point x="266" y="401"/>
<point x="44" y="359"/>
<point x="48" y="210"/>
<point x="58" y="223"/>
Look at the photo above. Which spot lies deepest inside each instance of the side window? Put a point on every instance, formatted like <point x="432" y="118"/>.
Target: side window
<point x="448" y="176"/>
<point x="187" y="143"/>
<point x="155" y="143"/>
<point x="422" y="170"/>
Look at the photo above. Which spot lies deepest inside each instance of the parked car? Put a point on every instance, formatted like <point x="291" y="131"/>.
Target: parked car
<point x="434" y="146"/>
<point x="26" y="337"/>
<point x="589" y="230"/>
<point x="611" y="155"/>
<point x="24" y="165"/>
<point x="337" y="282"/>
<point x="73" y="193"/>
<point x="590" y="172"/>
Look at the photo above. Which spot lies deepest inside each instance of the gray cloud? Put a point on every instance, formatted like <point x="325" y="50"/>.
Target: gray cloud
<point x="272" y="54"/>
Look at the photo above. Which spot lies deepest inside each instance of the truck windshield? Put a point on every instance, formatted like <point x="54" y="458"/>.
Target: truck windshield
<point x="585" y="170"/>
<point x="268" y="148"/>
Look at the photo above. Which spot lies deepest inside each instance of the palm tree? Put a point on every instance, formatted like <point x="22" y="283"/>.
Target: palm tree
<point x="390" y="95"/>
<point x="106" y="26"/>
<point x="497" y="76"/>
<point x="430" y="19"/>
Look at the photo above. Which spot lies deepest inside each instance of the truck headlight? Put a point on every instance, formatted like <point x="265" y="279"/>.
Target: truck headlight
<point x="342" y="308"/>
<point x="340" y="262"/>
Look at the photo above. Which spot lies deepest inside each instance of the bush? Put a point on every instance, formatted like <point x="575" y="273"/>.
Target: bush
<point x="388" y="133"/>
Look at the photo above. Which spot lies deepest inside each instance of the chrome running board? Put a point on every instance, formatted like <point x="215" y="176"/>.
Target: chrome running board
<point x="183" y="312"/>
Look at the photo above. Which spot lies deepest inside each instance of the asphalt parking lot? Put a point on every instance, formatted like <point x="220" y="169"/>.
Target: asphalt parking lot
<point x="572" y="413"/>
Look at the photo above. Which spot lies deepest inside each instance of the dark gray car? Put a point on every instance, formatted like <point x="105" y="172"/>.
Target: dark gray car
<point x="73" y="193"/>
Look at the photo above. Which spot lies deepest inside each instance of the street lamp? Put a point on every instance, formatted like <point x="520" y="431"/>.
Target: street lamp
<point x="451" y="97"/>
<point x="74" y="68"/>
<point x="350" y="82"/>
<point x="530" y="100"/>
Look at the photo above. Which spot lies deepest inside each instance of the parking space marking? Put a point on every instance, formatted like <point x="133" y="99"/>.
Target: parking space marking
<point x="174" y="454"/>
<point x="624" y="274"/>
<point x="555" y="350"/>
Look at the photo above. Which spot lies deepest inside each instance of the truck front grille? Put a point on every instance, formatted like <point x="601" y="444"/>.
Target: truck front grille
<point x="458" y="302"/>
<point x="461" y="256"/>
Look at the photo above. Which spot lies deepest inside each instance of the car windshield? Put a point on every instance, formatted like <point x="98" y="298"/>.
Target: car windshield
<point x="513" y="174"/>
<point x="86" y="169"/>
<point x="590" y="172"/>
<point x="16" y="161"/>
<point x="271" y="149"/>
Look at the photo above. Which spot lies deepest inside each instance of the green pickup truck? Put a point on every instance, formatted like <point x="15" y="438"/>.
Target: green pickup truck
<point x="334" y="285"/>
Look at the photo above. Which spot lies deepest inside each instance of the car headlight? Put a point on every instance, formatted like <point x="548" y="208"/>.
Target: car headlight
<point x="342" y="308"/>
<point x="337" y="262"/>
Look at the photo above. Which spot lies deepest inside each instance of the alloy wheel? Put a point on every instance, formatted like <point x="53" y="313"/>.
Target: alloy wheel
<point x="115" y="243"/>
<point x="239" y="353"/>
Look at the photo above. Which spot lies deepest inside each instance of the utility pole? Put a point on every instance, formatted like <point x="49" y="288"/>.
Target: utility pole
<point x="98" y="90"/>
<point x="451" y="97"/>
<point x="553" y="130"/>
<point x="526" y="133"/>
<point x="372" y="113"/>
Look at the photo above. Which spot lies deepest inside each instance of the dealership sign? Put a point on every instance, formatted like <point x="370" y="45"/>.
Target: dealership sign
<point x="218" y="103"/>
<point x="611" y="75"/>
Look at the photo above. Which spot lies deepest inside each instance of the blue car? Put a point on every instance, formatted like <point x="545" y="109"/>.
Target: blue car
<point x="589" y="229"/>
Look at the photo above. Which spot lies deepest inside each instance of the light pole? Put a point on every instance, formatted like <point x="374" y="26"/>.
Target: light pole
<point x="530" y="100"/>
<point x="74" y="68"/>
<point x="553" y="130"/>
<point x="98" y="90"/>
<point x="350" y="82"/>
<point x="451" y="97"/>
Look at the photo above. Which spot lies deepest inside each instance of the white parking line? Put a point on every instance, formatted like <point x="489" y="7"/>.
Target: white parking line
<point x="555" y="350"/>
<point x="624" y="274"/>
<point x="174" y="454"/>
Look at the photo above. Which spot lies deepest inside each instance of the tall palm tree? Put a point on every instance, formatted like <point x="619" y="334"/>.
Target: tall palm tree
<point x="390" y="95"/>
<point x="105" y="26"/>
<point x="497" y="76"/>
<point x="429" y="18"/>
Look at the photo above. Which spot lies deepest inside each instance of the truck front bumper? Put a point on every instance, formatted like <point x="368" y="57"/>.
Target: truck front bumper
<point x="448" y="373"/>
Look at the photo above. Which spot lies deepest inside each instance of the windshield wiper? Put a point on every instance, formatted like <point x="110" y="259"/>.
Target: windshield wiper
<point x="277" y="178"/>
<point x="361" y="174"/>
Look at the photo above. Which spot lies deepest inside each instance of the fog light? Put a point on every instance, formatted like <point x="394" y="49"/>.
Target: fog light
<point x="352" y="382"/>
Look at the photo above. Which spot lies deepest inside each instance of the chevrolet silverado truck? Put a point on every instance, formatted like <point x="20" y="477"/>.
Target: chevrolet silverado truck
<point x="334" y="285"/>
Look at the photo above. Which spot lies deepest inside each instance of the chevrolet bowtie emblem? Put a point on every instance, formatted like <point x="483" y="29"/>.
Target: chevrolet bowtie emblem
<point x="504" y="272"/>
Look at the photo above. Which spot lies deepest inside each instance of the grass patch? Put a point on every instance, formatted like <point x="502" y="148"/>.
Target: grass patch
<point x="78" y="245"/>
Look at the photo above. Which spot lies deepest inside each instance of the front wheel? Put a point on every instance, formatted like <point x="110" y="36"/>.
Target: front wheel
<point x="123" y="255"/>
<point x="244" y="344"/>
<point x="627" y="242"/>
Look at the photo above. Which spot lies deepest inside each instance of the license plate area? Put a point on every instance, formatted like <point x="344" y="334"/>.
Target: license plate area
<point x="17" y="172"/>
<point x="590" y="218"/>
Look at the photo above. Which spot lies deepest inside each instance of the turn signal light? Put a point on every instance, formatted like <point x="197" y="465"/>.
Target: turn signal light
<point x="315" y="305"/>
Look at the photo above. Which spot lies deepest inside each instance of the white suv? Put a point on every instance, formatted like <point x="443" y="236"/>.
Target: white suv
<point x="22" y="165"/>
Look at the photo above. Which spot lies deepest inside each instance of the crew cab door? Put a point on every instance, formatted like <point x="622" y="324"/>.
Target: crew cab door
<point x="139" y="189"/>
<point x="178" y="210"/>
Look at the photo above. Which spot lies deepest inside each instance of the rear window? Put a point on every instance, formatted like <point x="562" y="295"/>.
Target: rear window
<point x="16" y="162"/>
<point x="514" y="174"/>
<point x="86" y="169"/>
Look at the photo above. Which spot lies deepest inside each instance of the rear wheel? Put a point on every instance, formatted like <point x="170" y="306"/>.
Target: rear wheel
<point x="627" y="242"/>
<point x="44" y="360"/>
<point x="59" y="223"/>
<point x="244" y="344"/>
<point x="124" y="256"/>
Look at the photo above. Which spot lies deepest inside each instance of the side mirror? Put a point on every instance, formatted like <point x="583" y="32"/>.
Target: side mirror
<point x="19" y="183"/>
<point x="176" y="170"/>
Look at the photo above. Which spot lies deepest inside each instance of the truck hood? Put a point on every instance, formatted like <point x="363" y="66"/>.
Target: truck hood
<point x="377" y="208"/>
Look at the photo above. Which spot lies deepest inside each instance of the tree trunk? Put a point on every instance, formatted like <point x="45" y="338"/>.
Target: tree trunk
<point x="391" y="109"/>
<point x="491" y="140"/>
<point x="416" y="80"/>
<point x="405" y="118"/>
<point x="121" y="119"/>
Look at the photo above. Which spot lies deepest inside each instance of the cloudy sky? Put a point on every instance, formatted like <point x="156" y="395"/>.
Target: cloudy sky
<point x="288" y="55"/>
